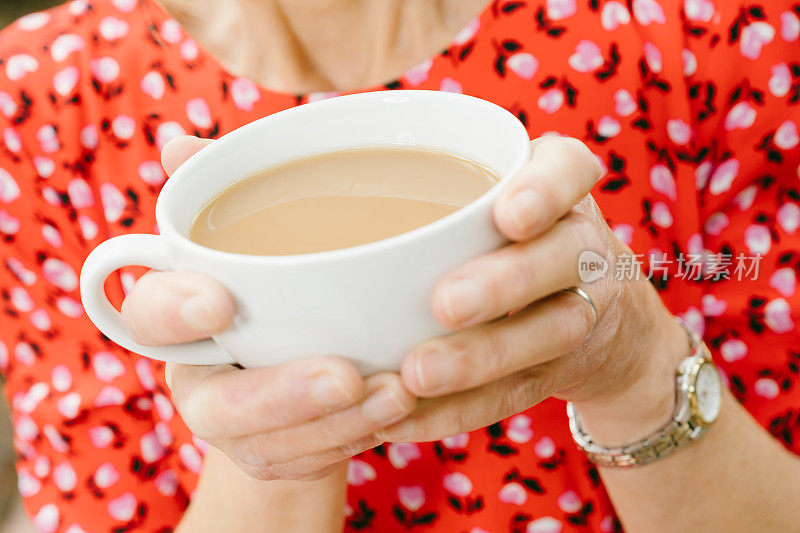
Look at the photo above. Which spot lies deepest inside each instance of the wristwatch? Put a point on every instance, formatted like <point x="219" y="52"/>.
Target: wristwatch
<point x="698" y="397"/>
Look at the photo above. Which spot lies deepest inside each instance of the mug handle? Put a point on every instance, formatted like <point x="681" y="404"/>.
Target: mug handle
<point x="148" y="251"/>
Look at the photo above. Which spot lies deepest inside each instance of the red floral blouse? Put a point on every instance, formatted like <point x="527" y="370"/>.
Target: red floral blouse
<point x="691" y="105"/>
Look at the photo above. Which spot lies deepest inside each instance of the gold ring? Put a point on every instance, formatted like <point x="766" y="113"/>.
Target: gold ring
<point x="580" y="292"/>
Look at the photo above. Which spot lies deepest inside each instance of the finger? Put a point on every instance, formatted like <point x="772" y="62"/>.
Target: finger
<point x="561" y="171"/>
<point x="497" y="283"/>
<point x="224" y="402"/>
<point x="310" y="467"/>
<point x="537" y="334"/>
<point x="438" y="418"/>
<point x="174" y="307"/>
<point x="179" y="149"/>
<point x="386" y="402"/>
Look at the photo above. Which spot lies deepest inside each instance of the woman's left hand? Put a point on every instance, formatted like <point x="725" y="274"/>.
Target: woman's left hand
<point x="520" y="338"/>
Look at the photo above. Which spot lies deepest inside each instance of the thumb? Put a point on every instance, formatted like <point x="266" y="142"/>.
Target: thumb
<point x="179" y="149"/>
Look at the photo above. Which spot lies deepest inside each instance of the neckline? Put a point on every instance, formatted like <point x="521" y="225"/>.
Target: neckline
<point x="156" y="15"/>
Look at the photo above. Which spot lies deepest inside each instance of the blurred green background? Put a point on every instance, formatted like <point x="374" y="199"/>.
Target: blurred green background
<point x="13" y="9"/>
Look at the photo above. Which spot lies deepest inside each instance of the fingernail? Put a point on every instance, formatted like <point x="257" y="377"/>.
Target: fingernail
<point x="197" y="314"/>
<point x="383" y="407"/>
<point x="329" y="391"/>
<point x="523" y="208"/>
<point x="434" y="370"/>
<point x="463" y="300"/>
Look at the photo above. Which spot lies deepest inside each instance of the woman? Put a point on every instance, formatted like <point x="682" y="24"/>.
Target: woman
<point x="691" y="109"/>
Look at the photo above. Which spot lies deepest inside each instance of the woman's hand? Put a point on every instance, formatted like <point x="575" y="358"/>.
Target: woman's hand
<point x="497" y="365"/>
<point x="290" y="421"/>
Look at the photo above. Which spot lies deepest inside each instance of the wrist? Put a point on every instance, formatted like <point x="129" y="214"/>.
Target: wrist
<point x="647" y="402"/>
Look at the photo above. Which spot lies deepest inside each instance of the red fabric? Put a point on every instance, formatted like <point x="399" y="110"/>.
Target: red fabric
<point x="691" y="106"/>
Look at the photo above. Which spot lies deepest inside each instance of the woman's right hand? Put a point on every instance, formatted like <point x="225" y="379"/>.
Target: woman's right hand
<point x="289" y="421"/>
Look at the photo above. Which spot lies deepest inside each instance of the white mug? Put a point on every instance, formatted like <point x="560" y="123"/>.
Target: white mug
<point x="369" y="303"/>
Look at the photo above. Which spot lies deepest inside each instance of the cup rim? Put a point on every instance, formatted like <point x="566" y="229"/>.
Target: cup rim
<point x="168" y="230"/>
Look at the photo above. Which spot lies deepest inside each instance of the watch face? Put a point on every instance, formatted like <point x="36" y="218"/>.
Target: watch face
<point x="709" y="392"/>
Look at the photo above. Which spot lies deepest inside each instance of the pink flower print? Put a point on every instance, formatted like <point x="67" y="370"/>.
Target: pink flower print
<point x="713" y="306"/>
<point x="89" y="138"/>
<point x="778" y="316"/>
<point x="167" y="131"/>
<point x="790" y="26"/>
<point x="419" y="73"/>
<point x="126" y="6"/>
<point x="65" y="45"/>
<point x="513" y="493"/>
<point x="412" y="498"/>
<point x="570" y="502"/>
<point x="457" y="483"/>
<point x="523" y="65"/>
<point x="614" y="15"/>
<point x="7" y="104"/>
<point x="741" y="116"/>
<point x="64" y="477"/>
<point x="106" y="475"/>
<point x="662" y="180"/>
<point x="244" y="93"/>
<point x="608" y="127"/>
<point x="61" y="378"/>
<point x="789" y="217"/>
<point x="44" y="166"/>
<point x="402" y="453"/>
<point x="648" y="12"/>
<point x="661" y="215"/>
<point x="113" y="202"/>
<point x="190" y="458"/>
<point x="679" y="131"/>
<point x="9" y="190"/>
<point x="781" y="80"/>
<point x="104" y="69"/>
<point x="722" y="177"/>
<point x="551" y="101"/>
<point x="587" y="57"/>
<point x="34" y="21"/>
<point x="468" y="32"/>
<point x="9" y="225"/>
<point x="107" y="367"/>
<point x="153" y="85"/>
<point x="689" y="62"/>
<point x="784" y="281"/>
<point x="733" y="350"/>
<point x="123" y="507"/>
<point x="758" y="238"/>
<point x="786" y="136"/>
<point x="699" y="10"/>
<point x="652" y="55"/>
<point x="152" y="173"/>
<point x="359" y="472"/>
<point x="754" y="37"/>
<point x="519" y="429"/>
<point x="112" y="28"/>
<point x="47" y="519"/>
<point x="561" y="9"/>
<point x="60" y="274"/>
<point x="199" y="113"/>
<point x="171" y="31"/>
<point x="123" y="126"/>
<point x="64" y="81"/>
<point x="766" y="388"/>
<point x="546" y="524"/>
<point x="624" y="104"/>
<point x="189" y="50"/>
<point x="716" y="224"/>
